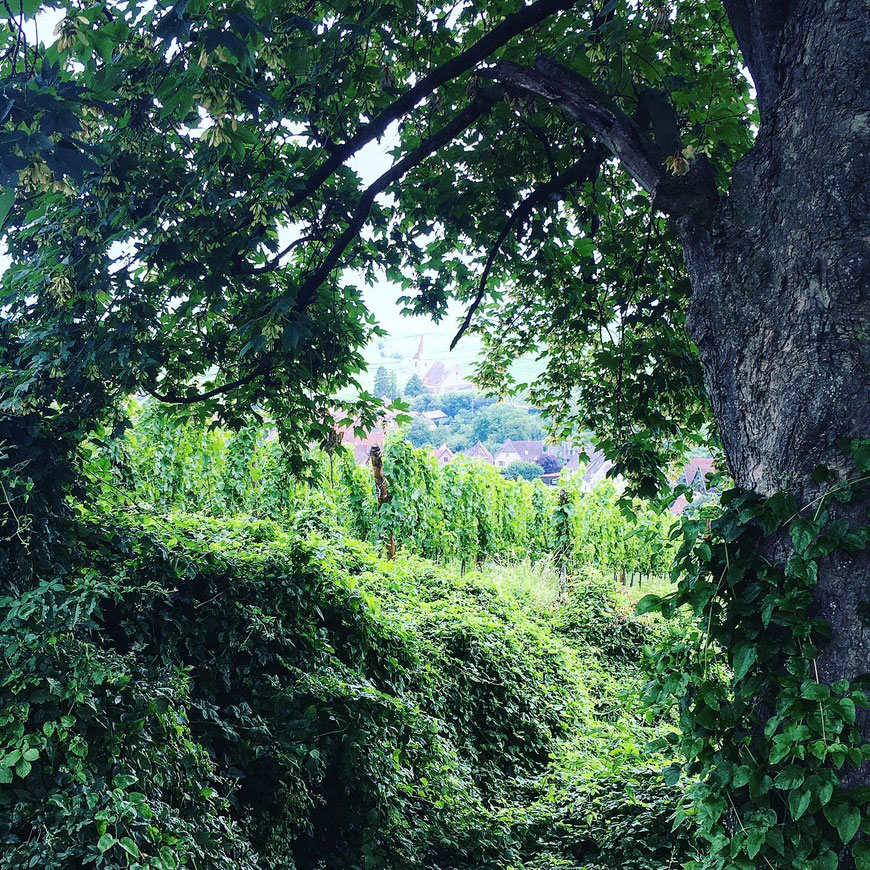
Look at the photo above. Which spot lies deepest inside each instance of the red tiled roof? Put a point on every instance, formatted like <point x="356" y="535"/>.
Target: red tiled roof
<point x="698" y="465"/>
<point x="374" y="436"/>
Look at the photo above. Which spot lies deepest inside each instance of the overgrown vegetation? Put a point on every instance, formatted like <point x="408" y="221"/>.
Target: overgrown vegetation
<point x="193" y="691"/>
<point x="463" y="512"/>
<point x="599" y="185"/>
<point x="780" y="776"/>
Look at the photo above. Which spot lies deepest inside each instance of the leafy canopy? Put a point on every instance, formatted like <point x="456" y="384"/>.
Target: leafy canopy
<point x="187" y="219"/>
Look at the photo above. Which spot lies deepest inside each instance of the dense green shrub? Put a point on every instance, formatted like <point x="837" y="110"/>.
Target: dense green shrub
<point x="209" y="693"/>
<point x="594" y="619"/>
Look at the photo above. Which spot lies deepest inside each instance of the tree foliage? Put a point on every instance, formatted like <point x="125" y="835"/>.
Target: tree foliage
<point x="524" y="469"/>
<point x="184" y="216"/>
<point x="549" y="463"/>
<point x="386" y="384"/>
<point x="414" y="387"/>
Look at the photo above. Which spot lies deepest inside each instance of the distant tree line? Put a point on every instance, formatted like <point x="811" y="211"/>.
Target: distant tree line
<point x="472" y="418"/>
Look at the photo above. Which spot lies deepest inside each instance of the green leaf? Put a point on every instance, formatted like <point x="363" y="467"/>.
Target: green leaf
<point x="106" y="842"/>
<point x="815" y="691"/>
<point x="798" y="801"/>
<point x="129" y="846"/>
<point x="7" y="200"/>
<point x="802" y="533"/>
<point x="741" y="776"/>
<point x="649" y="603"/>
<point x="755" y="838"/>
<point x="825" y="792"/>
<point x="31" y="7"/>
<point x="846" y="706"/>
<point x="672" y="774"/>
<point x="847" y="825"/>
<point x="860" y="449"/>
<point x="861" y="854"/>
<point x="777" y="752"/>
<point x="744" y="658"/>
<point x="789" y="777"/>
<point x="826" y="861"/>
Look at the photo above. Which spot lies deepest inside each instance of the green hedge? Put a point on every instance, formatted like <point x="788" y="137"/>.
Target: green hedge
<point x="213" y="693"/>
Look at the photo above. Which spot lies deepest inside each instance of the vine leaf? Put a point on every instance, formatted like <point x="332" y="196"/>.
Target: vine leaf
<point x="789" y="777"/>
<point x="649" y="603"/>
<point x="744" y="658"/>
<point x="847" y="827"/>
<point x="7" y="198"/>
<point x="798" y="801"/>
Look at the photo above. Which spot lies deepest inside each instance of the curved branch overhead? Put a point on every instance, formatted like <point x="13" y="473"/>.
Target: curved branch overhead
<point x="500" y="35"/>
<point x="588" y="104"/>
<point x="211" y="302"/>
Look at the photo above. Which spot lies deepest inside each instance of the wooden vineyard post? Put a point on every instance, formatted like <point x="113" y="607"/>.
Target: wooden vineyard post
<point x="377" y="461"/>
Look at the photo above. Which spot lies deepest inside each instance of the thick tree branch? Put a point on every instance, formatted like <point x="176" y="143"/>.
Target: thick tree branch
<point x="583" y="101"/>
<point x="757" y="25"/>
<point x="583" y="170"/>
<point x="691" y="195"/>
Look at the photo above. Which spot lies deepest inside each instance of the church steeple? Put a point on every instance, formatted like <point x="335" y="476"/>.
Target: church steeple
<point x="417" y="364"/>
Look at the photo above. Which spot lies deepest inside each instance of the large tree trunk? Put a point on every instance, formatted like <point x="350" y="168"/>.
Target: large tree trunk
<point x="781" y="281"/>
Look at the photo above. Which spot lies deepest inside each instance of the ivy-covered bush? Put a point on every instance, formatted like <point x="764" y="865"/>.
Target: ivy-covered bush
<point x="593" y="618"/>
<point x="207" y="693"/>
<point x="772" y="747"/>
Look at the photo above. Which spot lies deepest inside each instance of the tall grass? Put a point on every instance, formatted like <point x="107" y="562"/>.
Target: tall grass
<point x="535" y="581"/>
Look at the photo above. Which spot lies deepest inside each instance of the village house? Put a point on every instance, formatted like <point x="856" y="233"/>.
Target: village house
<point x="514" y="451"/>
<point x="478" y="451"/>
<point x="694" y="475"/>
<point x="362" y="446"/>
<point x="437" y="417"/>
<point x="443" y="454"/>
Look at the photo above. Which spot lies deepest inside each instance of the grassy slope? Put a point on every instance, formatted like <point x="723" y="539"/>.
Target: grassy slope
<point x="247" y="697"/>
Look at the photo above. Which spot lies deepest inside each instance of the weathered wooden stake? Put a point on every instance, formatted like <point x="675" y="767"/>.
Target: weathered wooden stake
<point x="377" y="461"/>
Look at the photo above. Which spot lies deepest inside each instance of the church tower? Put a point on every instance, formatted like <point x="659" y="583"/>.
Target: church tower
<point x="418" y="365"/>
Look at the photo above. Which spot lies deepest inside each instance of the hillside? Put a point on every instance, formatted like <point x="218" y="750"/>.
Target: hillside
<point x="207" y="693"/>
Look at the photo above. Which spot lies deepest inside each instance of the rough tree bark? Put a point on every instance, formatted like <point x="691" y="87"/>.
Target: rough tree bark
<point x="779" y="266"/>
<point x="781" y="279"/>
